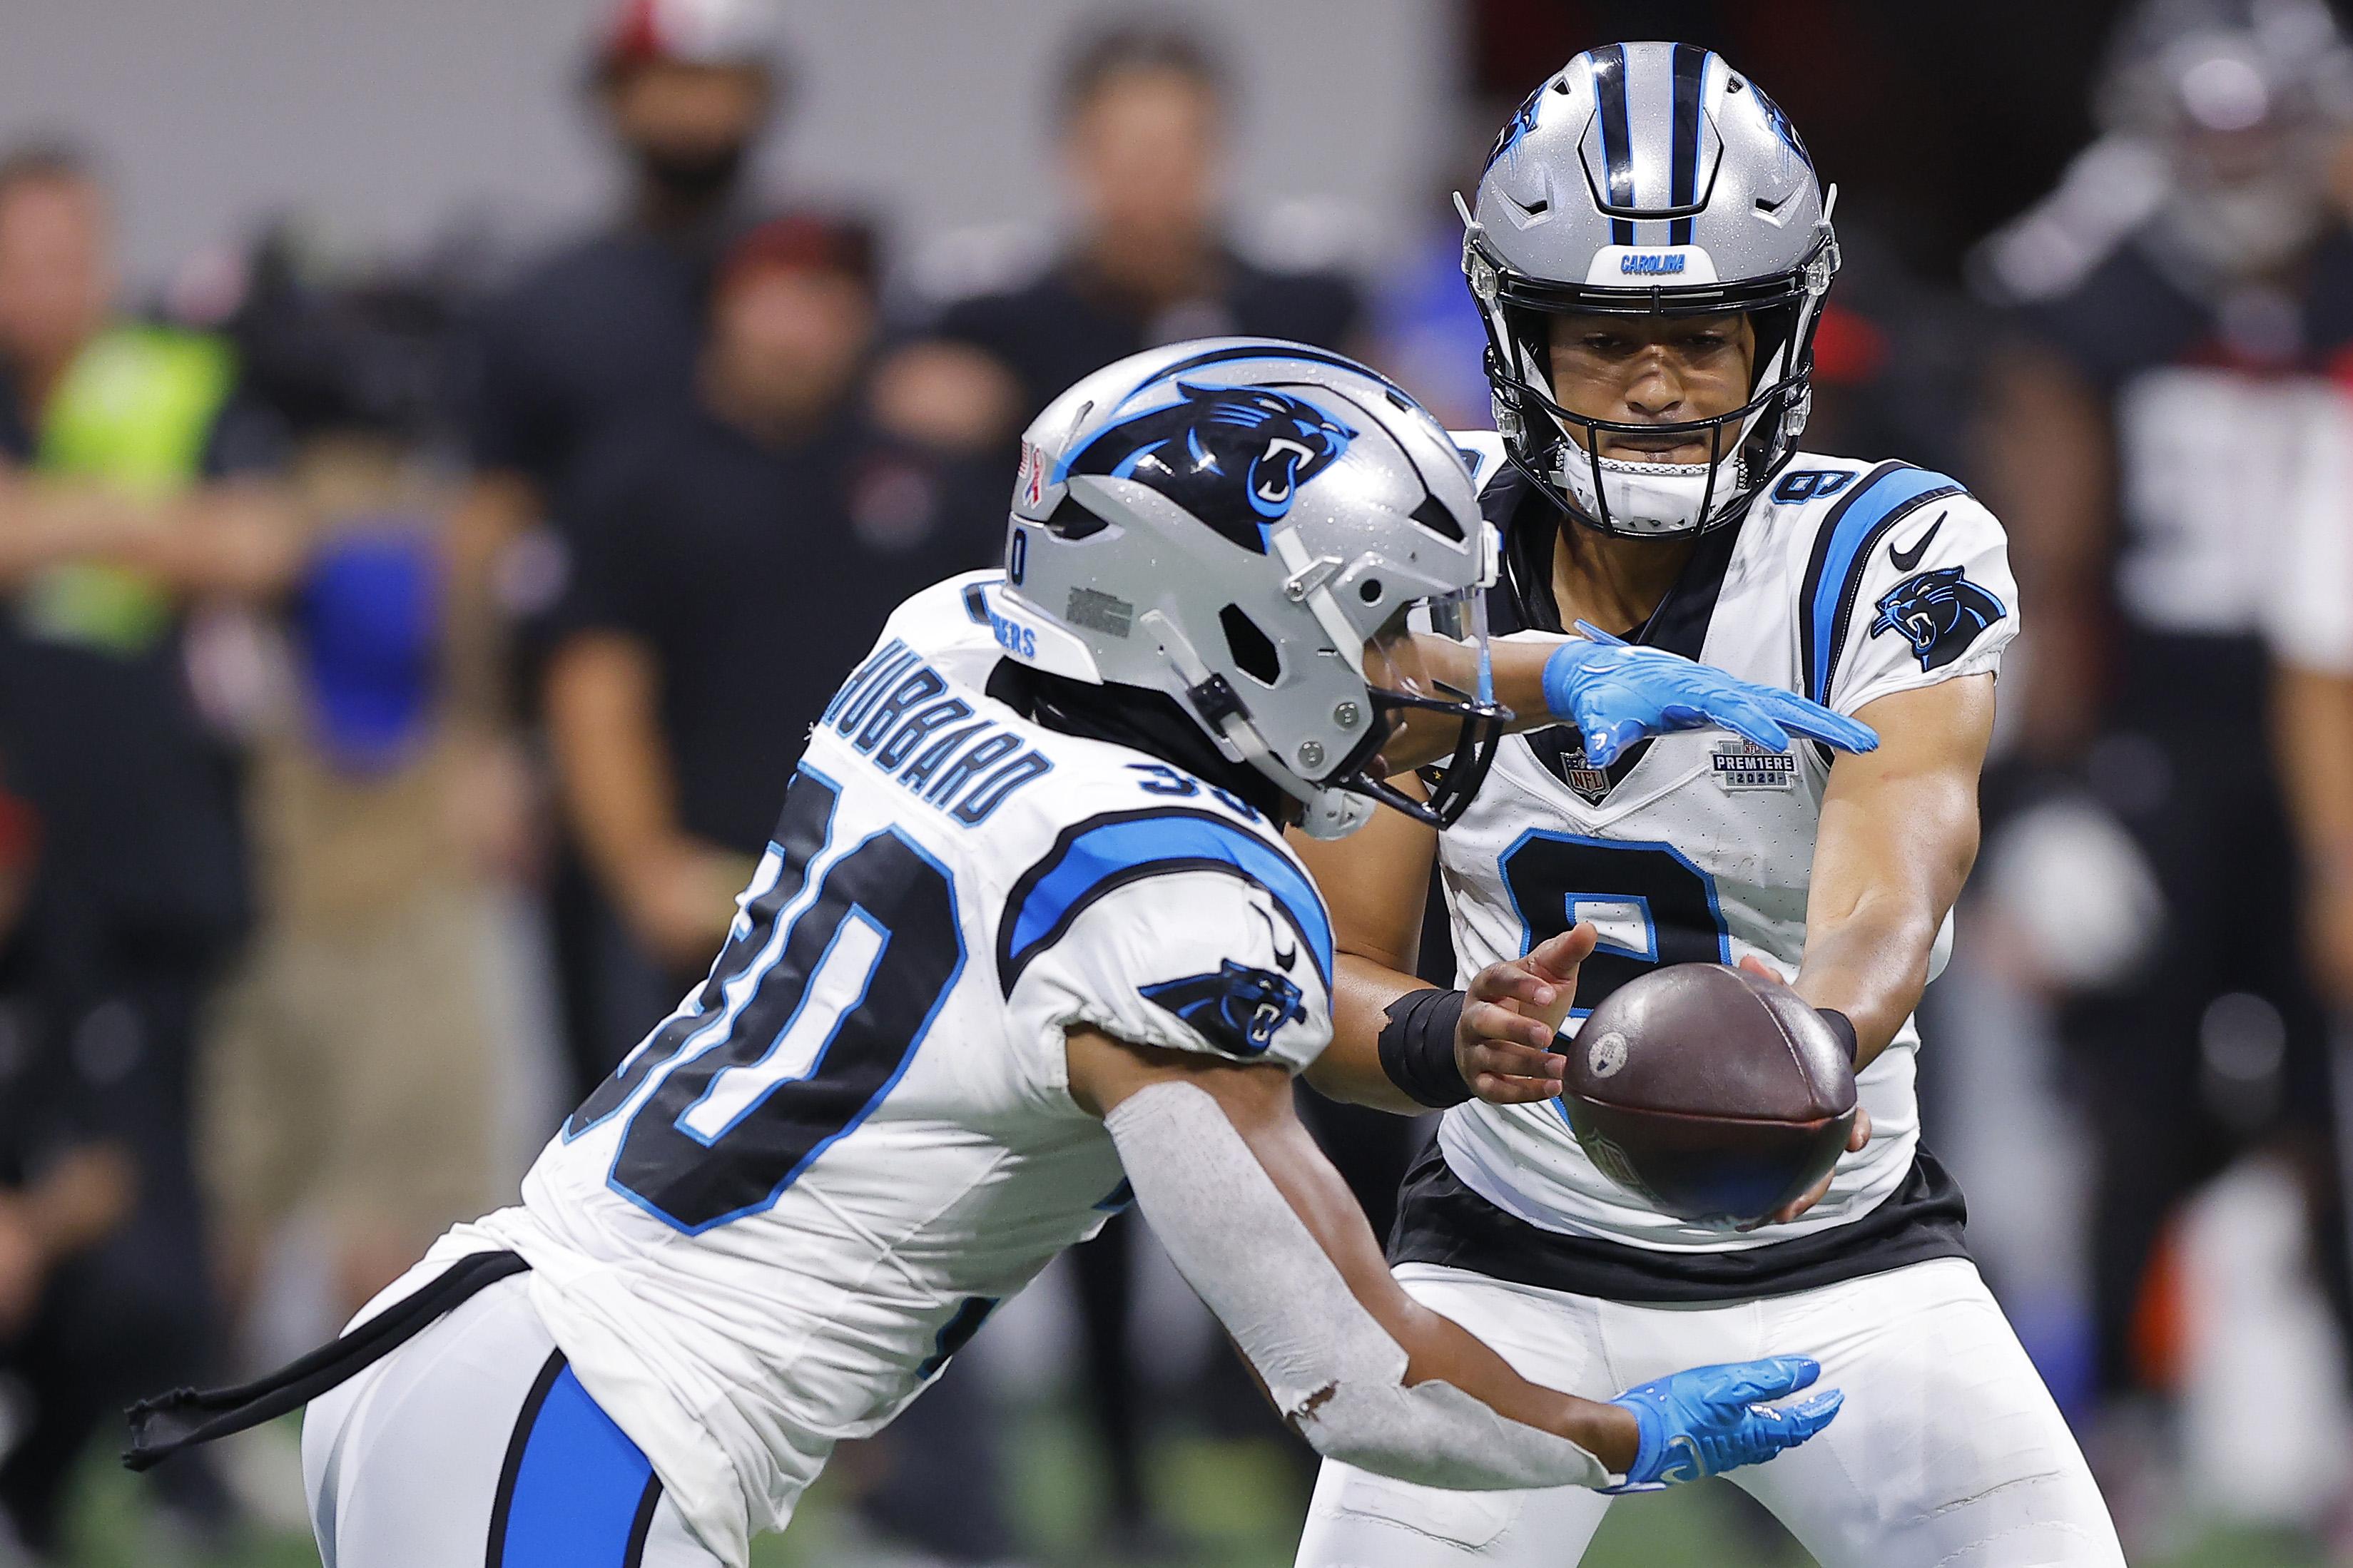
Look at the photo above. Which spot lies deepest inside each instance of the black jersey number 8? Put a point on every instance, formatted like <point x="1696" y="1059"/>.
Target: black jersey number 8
<point x="1652" y="905"/>
<point x="799" y="1032"/>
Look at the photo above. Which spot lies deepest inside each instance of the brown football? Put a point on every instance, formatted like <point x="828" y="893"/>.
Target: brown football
<point x="1712" y="1093"/>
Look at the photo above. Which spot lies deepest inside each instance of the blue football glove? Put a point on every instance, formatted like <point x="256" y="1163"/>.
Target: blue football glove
<point x="1711" y="1419"/>
<point x="1616" y="693"/>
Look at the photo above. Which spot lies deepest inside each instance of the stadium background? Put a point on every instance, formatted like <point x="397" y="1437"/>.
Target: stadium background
<point x="380" y="176"/>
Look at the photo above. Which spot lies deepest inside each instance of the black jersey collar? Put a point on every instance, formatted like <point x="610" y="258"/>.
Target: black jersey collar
<point x="1131" y="716"/>
<point x="1530" y="523"/>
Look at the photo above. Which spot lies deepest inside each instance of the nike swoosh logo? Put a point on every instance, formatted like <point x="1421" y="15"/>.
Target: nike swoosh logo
<point x="1907" y="559"/>
<point x="1283" y="960"/>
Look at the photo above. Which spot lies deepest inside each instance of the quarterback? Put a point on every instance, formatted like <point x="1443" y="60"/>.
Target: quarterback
<point x="1651" y="250"/>
<point x="1029" y="945"/>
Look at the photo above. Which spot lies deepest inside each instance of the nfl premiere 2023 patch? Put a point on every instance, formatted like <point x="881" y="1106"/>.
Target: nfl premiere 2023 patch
<point x="1743" y="764"/>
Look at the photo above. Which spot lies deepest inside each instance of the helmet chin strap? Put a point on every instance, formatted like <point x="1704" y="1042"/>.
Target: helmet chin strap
<point x="1335" y="814"/>
<point x="1311" y="583"/>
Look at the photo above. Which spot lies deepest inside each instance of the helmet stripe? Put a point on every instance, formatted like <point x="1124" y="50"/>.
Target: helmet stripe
<point x="1691" y="76"/>
<point x="1617" y="137"/>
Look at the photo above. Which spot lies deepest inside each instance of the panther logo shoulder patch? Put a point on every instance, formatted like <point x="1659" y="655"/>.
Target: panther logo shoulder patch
<point x="1939" y="613"/>
<point x="1240" y="1008"/>
<point x="1234" y="458"/>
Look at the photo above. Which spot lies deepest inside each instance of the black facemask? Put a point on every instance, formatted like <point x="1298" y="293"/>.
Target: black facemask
<point x="693" y="176"/>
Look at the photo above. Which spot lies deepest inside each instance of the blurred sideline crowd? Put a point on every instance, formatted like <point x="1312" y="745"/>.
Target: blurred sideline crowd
<point x="398" y="666"/>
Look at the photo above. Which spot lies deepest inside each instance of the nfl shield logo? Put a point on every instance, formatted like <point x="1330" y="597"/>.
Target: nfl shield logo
<point x="1590" y="782"/>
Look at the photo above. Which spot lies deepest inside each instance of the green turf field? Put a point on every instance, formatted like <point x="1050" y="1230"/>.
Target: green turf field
<point x="1228" y="1505"/>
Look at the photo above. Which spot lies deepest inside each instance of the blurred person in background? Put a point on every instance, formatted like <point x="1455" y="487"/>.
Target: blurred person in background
<point x="724" y="555"/>
<point x="1424" y="327"/>
<point x="62" y="1189"/>
<point x="2161" y="424"/>
<point x="601" y="334"/>
<point x="350" y="1076"/>
<point x="134" y="488"/>
<point x="1143" y="115"/>
<point x="2308" y="622"/>
<point x="606" y="328"/>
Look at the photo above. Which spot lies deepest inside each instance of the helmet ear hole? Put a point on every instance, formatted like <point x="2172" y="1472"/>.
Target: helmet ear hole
<point x="1253" y="651"/>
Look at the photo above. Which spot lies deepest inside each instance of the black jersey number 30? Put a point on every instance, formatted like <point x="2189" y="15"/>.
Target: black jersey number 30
<point x="1652" y="906"/>
<point x="798" y="1033"/>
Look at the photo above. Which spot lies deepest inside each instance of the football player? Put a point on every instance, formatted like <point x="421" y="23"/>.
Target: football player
<point x="1029" y="945"/>
<point x="1651" y="250"/>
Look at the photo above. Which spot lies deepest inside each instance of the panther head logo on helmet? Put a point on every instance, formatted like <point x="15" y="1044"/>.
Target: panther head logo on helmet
<point x="1234" y="458"/>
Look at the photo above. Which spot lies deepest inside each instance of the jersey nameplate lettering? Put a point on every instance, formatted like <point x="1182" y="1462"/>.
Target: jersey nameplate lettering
<point x="893" y="708"/>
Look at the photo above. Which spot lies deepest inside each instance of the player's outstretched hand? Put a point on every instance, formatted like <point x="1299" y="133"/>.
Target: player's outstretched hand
<point x="1711" y="1419"/>
<point x="1617" y="693"/>
<point x="1503" y="1040"/>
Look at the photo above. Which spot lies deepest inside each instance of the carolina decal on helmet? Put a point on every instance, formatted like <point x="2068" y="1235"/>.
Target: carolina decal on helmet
<point x="1234" y="458"/>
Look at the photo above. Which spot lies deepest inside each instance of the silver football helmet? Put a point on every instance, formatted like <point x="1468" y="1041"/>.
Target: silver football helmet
<point x="1650" y="179"/>
<point x="1246" y="525"/>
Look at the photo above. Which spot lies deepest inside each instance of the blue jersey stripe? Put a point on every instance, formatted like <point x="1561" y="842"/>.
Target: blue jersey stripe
<point x="1104" y="853"/>
<point x="581" y="1493"/>
<point x="1840" y="558"/>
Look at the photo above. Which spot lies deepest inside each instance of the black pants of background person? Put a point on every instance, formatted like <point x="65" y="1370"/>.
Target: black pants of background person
<point x="134" y="1315"/>
<point x="607" y="993"/>
<point x="2217" y="1046"/>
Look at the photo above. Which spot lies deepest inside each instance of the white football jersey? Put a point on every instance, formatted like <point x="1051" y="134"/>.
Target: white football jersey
<point x="1845" y="581"/>
<point x="807" y="1188"/>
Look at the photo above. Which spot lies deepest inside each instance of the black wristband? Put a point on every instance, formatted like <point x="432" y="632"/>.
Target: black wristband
<point x="1418" y="1048"/>
<point x="1843" y="1027"/>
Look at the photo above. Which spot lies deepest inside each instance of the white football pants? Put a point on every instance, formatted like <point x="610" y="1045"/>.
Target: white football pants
<point x="473" y="1445"/>
<point x="1948" y="1450"/>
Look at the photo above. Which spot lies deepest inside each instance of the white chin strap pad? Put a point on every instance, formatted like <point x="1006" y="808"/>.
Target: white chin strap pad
<point x="1332" y="1370"/>
<point x="1647" y="498"/>
<point x="1335" y="814"/>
